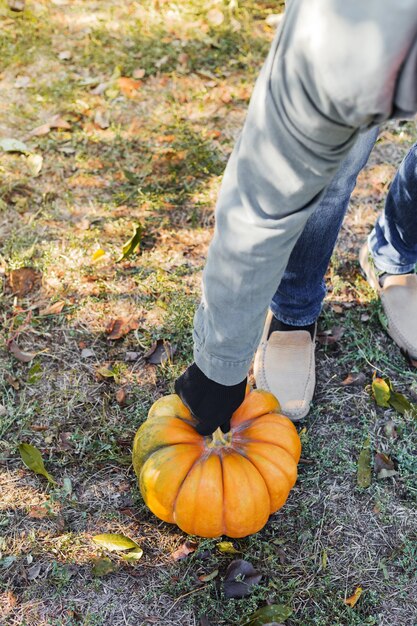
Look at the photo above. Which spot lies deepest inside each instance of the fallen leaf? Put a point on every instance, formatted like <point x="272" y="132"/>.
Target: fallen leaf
<point x="34" y="162"/>
<point x="105" y="372"/>
<point x="381" y="391"/>
<point x="186" y="548"/>
<point x="39" y="511"/>
<point x="383" y="466"/>
<point x="53" y="309"/>
<point x="115" y="542"/>
<point x="128" y="86"/>
<point x="118" y="328"/>
<point x="65" y="443"/>
<point x="215" y="17"/>
<point x="226" y="547"/>
<point x="329" y="337"/>
<point x="364" y="475"/>
<point x="102" y="119"/>
<point x="336" y="308"/>
<point x="400" y="403"/>
<point x="34" y="373"/>
<point x="240" y="579"/>
<point x="32" y="458"/>
<point x="8" y="601"/>
<point x="204" y="621"/>
<point x="139" y="73"/>
<point x="65" y="55"/>
<point x="13" y="382"/>
<point x="39" y="131"/>
<point x="56" y="121"/>
<point x="22" y="82"/>
<point x="132" y="245"/>
<point x="390" y="430"/>
<point x="23" y="357"/>
<point x="205" y="578"/>
<point x="34" y="571"/>
<point x="86" y="353"/>
<point x="133" y="555"/>
<point x="16" y="5"/>
<point x="354" y="379"/>
<point x="159" y="352"/>
<point x="352" y="600"/>
<point x="132" y="356"/>
<point x="3" y="410"/>
<point x="13" y="145"/>
<point x="97" y="254"/>
<point x="24" y="280"/>
<point x="121" y="397"/>
<point x="269" y="615"/>
<point x="103" y="566"/>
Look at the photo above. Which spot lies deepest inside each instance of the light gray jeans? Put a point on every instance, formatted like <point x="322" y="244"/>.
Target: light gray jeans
<point x="335" y="68"/>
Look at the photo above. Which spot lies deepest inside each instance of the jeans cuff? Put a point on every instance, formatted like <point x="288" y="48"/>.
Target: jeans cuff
<point x="291" y="321"/>
<point x="223" y="372"/>
<point x="381" y="266"/>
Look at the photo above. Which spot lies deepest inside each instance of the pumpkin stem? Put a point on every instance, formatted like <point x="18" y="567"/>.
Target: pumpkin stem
<point x="219" y="438"/>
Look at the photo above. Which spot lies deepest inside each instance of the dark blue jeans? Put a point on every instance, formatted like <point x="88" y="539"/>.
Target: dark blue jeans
<point x="392" y="242"/>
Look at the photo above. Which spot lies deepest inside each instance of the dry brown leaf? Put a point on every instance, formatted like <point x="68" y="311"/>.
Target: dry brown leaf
<point x="13" y="382"/>
<point x="23" y="357"/>
<point x="24" y="280"/>
<point x="329" y="337"/>
<point x="8" y="601"/>
<point x="159" y="352"/>
<point x="64" y="440"/>
<point x="139" y="73"/>
<point x="102" y="119"/>
<point x="128" y="86"/>
<point x="118" y="328"/>
<point x="53" y="309"/>
<point x="337" y="308"/>
<point x="121" y="397"/>
<point x="215" y="17"/>
<point x="39" y="131"/>
<point x="55" y="122"/>
<point x="184" y="550"/>
<point x="38" y="511"/>
<point x="16" y="5"/>
<point x="354" y="379"/>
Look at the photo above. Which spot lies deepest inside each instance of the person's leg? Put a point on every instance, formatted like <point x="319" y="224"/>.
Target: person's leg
<point x="284" y="362"/>
<point x="390" y="256"/>
<point x="393" y="241"/>
<point x="298" y="299"/>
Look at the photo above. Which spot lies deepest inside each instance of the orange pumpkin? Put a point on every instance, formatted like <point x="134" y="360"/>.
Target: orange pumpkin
<point x="223" y="484"/>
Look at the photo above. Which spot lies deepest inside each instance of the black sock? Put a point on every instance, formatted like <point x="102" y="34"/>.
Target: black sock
<point x="278" y="325"/>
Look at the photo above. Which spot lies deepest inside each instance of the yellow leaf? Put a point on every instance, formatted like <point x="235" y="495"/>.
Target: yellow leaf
<point x="98" y="254"/>
<point x="226" y="547"/>
<point x="354" y="598"/>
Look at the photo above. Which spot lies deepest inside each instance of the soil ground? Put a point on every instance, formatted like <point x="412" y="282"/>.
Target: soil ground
<point x="129" y="112"/>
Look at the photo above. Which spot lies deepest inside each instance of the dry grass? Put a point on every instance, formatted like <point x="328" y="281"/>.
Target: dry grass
<point x="158" y="163"/>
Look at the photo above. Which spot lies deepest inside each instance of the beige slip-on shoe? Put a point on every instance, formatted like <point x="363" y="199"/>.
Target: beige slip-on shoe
<point x="284" y="365"/>
<point x="399" y="300"/>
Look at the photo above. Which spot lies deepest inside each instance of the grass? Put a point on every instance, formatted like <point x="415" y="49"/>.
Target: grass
<point x="159" y="164"/>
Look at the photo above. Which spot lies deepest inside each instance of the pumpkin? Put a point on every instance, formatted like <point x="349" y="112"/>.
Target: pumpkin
<point x="222" y="484"/>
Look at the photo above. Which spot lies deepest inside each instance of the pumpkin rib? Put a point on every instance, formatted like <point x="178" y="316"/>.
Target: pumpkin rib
<point x="277" y="463"/>
<point x="249" y="422"/>
<point x="195" y="530"/>
<point x="198" y="460"/>
<point x="246" y="476"/>
<point x="273" y="444"/>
